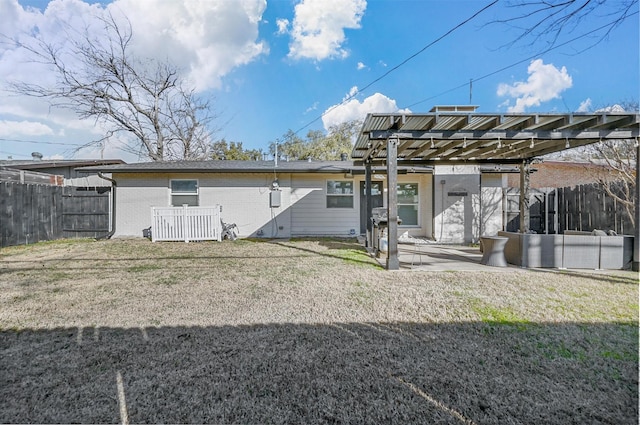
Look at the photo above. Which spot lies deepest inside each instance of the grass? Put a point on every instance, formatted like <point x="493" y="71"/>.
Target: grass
<point x="308" y="330"/>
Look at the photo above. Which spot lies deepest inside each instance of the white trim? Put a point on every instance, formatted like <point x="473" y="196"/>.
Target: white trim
<point x="417" y="203"/>
<point x="352" y="194"/>
<point x="172" y="194"/>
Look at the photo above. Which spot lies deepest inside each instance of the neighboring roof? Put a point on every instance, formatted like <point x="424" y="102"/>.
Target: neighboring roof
<point x="58" y="163"/>
<point x="448" y="135"/>
<point x="215" y="166"/>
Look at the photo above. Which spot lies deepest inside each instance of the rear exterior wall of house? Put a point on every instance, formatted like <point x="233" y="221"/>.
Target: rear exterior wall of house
<point x="307" y="208"/>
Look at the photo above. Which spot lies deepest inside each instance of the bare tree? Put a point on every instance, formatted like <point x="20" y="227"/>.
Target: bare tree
<point x="613" y="163"/>
<point x="548" y="20"/>
<point x="618" y="174"/>
<point x="98" y="77"/>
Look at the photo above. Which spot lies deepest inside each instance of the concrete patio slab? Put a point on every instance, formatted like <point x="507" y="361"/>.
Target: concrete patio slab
<point x="436" y="257"/>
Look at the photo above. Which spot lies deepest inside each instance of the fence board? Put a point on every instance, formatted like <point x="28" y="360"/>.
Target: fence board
<point x="582" y="208"/>
<point x="588" y="207"/>
<point x="31" y="213"/>
<point x="85" y="212"/>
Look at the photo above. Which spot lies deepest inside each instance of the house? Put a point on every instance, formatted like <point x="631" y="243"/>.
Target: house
<point x="67" y="168"/>
<point x="452" y="204"/>
<point x="557" y="174"/>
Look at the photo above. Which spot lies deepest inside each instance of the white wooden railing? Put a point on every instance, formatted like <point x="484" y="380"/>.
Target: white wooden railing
<point x="186" y="223"/>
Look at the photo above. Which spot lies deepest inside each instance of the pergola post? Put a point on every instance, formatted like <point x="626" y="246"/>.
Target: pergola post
<point x="525" y="182"/>
<point x="636" y="239"/>
<point x="369" y="204"/>
<point x="392" y="204"/>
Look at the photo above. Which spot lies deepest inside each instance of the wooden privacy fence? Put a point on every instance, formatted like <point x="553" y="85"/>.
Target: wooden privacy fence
<point x="582" y="208"/>
<point x="588" y="207"/>
<point x="31" y="213"/>
<point x="186" y="223"/>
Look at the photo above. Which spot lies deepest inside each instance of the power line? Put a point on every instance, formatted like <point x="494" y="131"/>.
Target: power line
<point x="348" y="98"/>
<point x="516" y="63"/>
<point x="14" y="154"/>
<point x="40" y="142"/>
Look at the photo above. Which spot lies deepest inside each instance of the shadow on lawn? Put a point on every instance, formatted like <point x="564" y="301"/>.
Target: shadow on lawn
<point x="624" y="277"/>
<point x="348" y="250"/>
<point x="298" y="373"/>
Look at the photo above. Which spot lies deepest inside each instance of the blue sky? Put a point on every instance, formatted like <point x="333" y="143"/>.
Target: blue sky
<point x="268" y="67"/>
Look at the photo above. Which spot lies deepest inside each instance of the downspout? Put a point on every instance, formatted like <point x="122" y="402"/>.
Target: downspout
<point x="113" y="205"/>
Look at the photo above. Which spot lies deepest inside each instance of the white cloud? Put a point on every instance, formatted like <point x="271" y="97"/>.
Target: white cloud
<point x="312" y="108"/>
<point x="54" y="157"/>
<point x="585" y="106"/>
<point x="355" y="110"/>
<point x="352" y="92"/>
<point x="611" y="109"/>
<point x="318" y="27"/>
<point x="545" y="83"/>
<point x="283" y="26"/>
<point x="361" y="66"/>
<point x="24" y="128"/>
<point x="207" y="39"/>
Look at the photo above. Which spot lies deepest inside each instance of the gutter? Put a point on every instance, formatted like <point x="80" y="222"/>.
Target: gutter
<point x="113" y="205"/>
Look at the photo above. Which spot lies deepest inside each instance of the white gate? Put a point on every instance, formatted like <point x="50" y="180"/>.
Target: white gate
<point x="186" y="223"/>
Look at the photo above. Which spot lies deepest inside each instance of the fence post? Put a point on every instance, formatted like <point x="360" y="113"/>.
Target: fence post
<point x="218" y="223"/>
<point x="185" y="225"/>
<point x="154" y="225"/>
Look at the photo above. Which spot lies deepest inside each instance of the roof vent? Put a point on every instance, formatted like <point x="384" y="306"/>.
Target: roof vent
<point x="37" y="156"/>
<point x="454" y="108"/>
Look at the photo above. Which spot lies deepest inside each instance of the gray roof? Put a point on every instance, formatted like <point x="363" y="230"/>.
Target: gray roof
<point x="30" y="164"/>
<point x="214" y="166"/>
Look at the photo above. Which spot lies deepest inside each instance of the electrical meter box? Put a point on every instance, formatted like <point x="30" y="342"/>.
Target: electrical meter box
<point x="274" y="199"/>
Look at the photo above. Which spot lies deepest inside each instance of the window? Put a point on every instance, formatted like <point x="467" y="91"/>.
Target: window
<point x="408" y="203"/>
<point x="184" y="192"/>
<point x="339" y="194"/>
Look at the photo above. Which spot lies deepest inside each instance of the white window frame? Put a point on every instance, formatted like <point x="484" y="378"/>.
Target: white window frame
<point x="172" y="193"/>
<point x="419" y="217"/>
<point x="351" y="195"/>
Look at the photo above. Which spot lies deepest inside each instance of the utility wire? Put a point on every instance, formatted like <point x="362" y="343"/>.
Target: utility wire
<point x="466" y="84"/>
<point x="348" y="98"/>
<point x="39" y="142"/>
<point x="14" y="154"/>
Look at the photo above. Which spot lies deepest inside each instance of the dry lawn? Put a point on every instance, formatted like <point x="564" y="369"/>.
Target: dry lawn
<point x="306" y="332"/>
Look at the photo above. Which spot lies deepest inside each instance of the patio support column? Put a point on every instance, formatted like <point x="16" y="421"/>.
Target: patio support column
<point x="392" y="204"/>
<point x="636" y="239"/>
<point x="525" y="174"/>
<point x="369" y="206"/>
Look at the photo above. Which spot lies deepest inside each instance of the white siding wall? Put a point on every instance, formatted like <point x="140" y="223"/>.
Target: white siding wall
<point x="309" y="212"/>
<point x="245" y="201"/>
<point x="135" y="195"/>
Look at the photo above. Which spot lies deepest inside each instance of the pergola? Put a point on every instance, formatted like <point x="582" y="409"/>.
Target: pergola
<point x="450" y="135"/>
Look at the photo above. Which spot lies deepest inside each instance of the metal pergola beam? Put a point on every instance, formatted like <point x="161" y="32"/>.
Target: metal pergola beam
<point x="393" y="262"/>
<point x="636" y="239"/>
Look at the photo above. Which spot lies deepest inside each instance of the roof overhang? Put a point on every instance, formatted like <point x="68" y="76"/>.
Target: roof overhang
<point x="226" y="167"/>
<point x="451" y="137"/>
